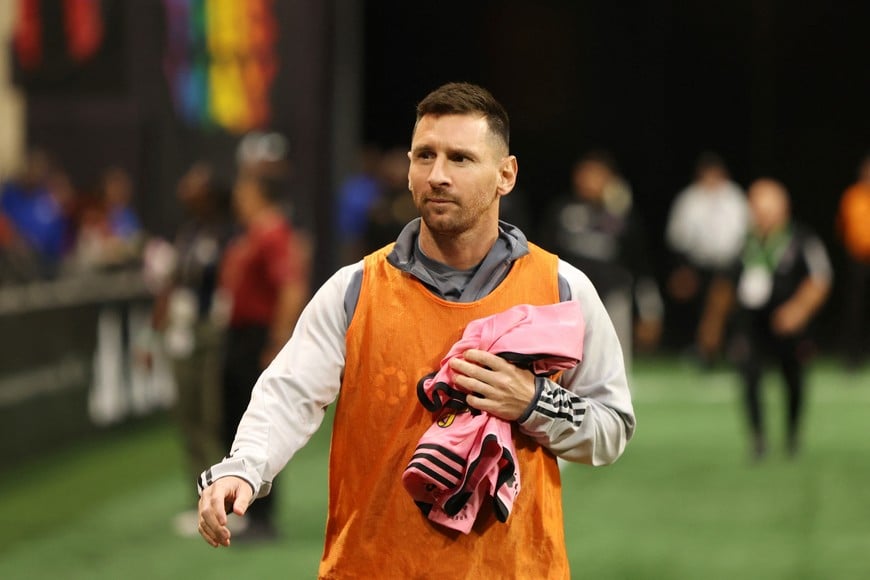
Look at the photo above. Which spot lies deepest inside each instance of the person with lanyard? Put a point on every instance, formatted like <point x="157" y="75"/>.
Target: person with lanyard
<point x="376" y="327"/>
<point x="781" y="283"/>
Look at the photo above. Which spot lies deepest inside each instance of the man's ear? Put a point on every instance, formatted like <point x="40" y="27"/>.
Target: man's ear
<point x="507" y="175"/>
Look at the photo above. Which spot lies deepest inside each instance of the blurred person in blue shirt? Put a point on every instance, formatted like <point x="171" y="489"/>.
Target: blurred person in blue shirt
<point x="110" y="233"/>
<point x="117" y="195"/>
<point x="34" y="212"/>
<point x="356" y="196"/>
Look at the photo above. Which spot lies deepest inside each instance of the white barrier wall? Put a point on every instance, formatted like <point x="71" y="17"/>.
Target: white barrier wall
<point x="11" y="101"/>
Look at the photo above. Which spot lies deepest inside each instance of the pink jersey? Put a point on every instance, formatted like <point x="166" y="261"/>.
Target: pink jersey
<point x="468" y="456"/>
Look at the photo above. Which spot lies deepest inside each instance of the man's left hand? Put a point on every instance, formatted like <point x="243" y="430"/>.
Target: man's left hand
<point x="494" y="385"/>
<point x="788" y="319"/>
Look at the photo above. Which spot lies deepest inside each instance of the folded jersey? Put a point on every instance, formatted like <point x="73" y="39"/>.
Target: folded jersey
<point x="467" y="456"/>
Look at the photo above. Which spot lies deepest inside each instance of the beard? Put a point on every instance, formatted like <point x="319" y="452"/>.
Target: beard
<point x="446" y="215"/>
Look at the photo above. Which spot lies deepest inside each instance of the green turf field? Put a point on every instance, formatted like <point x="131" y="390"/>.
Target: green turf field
<point x="682" y="503"/>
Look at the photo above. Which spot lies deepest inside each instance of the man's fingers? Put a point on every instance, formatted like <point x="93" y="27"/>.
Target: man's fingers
<point x="213" y="509"/>
<point x="243" y="500"/>
<point x="217" y="510"/>
<point x="212" y="531"/>
<point x="483" y="358"/>
<point x="473" y="367"/>
<point x="207" y="536"/>
<point x="478" y="402"/>
<point x="214" y="535"/>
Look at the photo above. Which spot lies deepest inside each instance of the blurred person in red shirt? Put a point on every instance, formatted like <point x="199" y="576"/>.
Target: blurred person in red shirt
<point x="265" y="277"/>
<point x="853" y="226"/>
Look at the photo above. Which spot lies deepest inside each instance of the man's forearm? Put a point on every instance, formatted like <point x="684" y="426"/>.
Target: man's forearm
<point x="291" y="301"/>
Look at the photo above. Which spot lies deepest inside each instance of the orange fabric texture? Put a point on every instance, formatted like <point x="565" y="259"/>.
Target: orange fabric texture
<point x="400" y="332"/>
<point x="855" y="220"/>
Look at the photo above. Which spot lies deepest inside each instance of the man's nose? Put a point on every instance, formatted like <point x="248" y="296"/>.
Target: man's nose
<point x="438" y="175"/>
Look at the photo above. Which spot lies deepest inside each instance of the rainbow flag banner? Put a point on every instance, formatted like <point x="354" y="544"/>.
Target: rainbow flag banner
<point x="221" y="61"/>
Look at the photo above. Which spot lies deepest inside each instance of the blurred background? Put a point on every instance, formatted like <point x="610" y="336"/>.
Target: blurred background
<point x="124" y="129"/>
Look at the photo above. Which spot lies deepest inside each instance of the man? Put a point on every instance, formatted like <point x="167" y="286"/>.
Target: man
<point x="853" y="225"/>
<point x="191" y="322"/>
<point x="264" y="275"/>
<point x="705" y="231"/>
<point x="30" y="205"/>
<point x="378" y="326"/>
<point x="782" y="281"/>
<point x="595" y="228"/>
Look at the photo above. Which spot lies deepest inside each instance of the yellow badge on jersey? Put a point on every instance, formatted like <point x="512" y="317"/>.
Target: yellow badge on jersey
<point x="448" y="415"/>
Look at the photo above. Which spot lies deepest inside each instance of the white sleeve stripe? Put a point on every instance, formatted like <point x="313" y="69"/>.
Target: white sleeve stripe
<point x="817" y="259"/>
<point x="559" y="403"/>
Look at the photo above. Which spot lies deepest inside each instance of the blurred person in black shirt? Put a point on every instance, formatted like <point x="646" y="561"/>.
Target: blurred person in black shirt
<point x="394" y="207"/>
<point x="594" y="228"/>
<point x="191" y="317"/>
<point x="781" y="282"/>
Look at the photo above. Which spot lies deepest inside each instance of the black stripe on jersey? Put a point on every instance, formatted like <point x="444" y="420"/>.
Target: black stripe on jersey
<point x="501" y="510"/>
<point x="559" y="397"/>
<point x="432" y="459"/>
<point x="559" y="403"/>
<point x="424" y="507"/>
<point x="459" y="460"/>
<point x="576" y="407"/>
<point x="428" y="403"/>
<point x="556" y="414"/>
<point x="453" y="505"/>
<point x="431" y="473"/>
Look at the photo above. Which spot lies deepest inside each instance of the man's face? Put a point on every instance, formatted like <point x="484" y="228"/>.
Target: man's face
<point x="458" y="171"/>
<point x="590" y="180"/>
<point x="246" y="199"/>
<point x="712" y="177"/>
<point x="769" y="206"/>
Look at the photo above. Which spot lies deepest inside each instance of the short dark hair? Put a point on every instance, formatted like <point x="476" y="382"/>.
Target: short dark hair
<point x="708" y="160"/>
<point x="599" y="156"/>
<point x="272" y="188"/>
<point x="464" y="99"/>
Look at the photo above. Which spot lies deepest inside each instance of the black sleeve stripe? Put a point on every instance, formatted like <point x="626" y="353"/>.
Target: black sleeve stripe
<point x="558" y="415"/>
<point x="431" y="473"/>
<point x="435" y="461"/>
<point x="459" y="460"/>
<point x="561" y="404"/>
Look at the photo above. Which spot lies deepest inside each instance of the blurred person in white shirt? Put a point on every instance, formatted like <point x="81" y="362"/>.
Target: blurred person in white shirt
<point x="706" y="229"/>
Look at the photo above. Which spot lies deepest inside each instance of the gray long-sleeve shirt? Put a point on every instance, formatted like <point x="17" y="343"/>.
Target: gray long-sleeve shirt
<point x="587" y="417"/>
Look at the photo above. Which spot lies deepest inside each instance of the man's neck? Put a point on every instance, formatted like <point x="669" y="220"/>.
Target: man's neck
<point x="461" y="252"/>
<point x="261" y="215"/>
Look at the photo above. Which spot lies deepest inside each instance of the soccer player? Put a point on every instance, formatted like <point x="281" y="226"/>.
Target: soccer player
<point x="376" y="327"/>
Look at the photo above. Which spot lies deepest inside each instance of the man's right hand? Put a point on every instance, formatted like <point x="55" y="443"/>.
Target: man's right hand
<point x="226" y="494"/>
